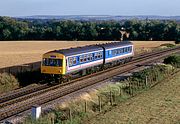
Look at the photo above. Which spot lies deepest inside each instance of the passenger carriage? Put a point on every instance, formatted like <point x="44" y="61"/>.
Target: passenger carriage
<point x="118" y="51"/>
<point x="70" y="60"/>
<point x="74" y="60"/>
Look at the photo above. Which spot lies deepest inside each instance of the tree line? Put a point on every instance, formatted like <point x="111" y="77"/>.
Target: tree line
<point x="14" y="29"/>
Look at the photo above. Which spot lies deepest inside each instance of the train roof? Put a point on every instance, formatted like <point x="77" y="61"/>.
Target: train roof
<point x="90" y="48"/>
<point x="78" y="50"/>
<point x="116" y="44"/>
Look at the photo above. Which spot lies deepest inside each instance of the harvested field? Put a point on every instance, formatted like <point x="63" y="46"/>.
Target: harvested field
<point x="159" y="105"/>
<point x="21" y="52"/>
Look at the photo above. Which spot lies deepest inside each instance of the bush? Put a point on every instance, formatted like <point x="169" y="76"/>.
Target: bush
<point x="29" y="77"/>
<point x="173" y="60"/>
<point x="8" y="82"/>
<point x="177" y="42"/>
<point x="169" y="45"/>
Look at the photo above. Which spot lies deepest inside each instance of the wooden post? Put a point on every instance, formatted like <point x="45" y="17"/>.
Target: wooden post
<point x="132" y="89"/>
<point x="129" y="88"/>
<point x="114" y="97"/>
<point x="120" y="91"/>
<point x="99" y="99"/>
<point x="85" y="106"/>
<point x="146" y="82"/>
<point x="70" y="115"/>
<point x="111" y="101"/>
<point x="52" y="120"/>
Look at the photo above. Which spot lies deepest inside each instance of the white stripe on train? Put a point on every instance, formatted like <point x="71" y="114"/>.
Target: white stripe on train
<point x="96" y="62"/>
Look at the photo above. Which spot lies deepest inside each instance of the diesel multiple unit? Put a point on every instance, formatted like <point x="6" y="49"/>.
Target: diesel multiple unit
<point x="66" y="61"/>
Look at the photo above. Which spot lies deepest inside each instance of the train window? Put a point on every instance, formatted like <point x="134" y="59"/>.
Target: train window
<point x="88" y="57"/>
<point x="130" y="49"/>
<point x="109" y="53"/>
<point x="101" y="54"/>
<point x="125" y="49"/>
<point x="70" y="61"/>
<point x="118" y="51"/>
<point x="85" y="58"/>
<point x="52" y="62"/>
<point x="121" y="50"/>
<point x="81" y="59"/>
<point x="91" y="56"/>
<point x="115" y="52"/>
<point x="74" y="60"/>
<point x="95" y="55"/>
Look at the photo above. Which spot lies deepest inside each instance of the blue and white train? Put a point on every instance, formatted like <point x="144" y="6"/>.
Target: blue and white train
<point x="67" y="61"/>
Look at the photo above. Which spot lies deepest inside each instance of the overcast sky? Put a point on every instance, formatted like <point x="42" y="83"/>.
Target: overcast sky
<point x="89" y="7"/>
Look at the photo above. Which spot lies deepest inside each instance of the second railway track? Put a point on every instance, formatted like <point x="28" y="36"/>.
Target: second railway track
<point x="40" y="97"/>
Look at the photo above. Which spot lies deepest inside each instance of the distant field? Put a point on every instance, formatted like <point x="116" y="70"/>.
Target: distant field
<point x="21" y="52"/>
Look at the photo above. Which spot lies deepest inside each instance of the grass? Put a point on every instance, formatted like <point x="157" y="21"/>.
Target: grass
<point x="158" y="105"/>
<point x="8" y="82"/>
<point x="116" y="100"/>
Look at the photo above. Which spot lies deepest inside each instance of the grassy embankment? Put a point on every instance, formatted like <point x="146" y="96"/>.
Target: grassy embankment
<point x="122" y="103"/>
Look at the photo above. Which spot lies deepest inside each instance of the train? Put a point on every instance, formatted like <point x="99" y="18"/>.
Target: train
<point x="64" y="63"/>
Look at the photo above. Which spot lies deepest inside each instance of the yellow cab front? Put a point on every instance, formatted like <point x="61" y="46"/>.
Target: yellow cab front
<point x="53" y="63"/>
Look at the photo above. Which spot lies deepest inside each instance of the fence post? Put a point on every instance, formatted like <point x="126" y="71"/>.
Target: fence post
<point x="120" y="91"/>
<point x="129" y="88"/>
<point x="52" y="120"/>
<point x="114" y="97"/>
<point x="99" y="99"/>
<point x="132" y="88"/>
<point x="146" y="81"/>
<point x="85" y="106"/>
<point x="70" y="115"/>
<point x="111" y="101"/>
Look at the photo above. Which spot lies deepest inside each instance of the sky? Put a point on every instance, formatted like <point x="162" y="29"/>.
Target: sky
<point x="16" y="8"/>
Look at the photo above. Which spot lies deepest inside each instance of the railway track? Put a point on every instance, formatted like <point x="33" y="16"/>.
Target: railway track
<point x="30" y="89"/>
<point x="54" y="92"/>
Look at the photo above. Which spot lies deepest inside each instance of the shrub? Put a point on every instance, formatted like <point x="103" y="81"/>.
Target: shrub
<point x="169" y="45"/>
<point x="29" y="77"/>
<point x="173" y="60"/>
<point x="8" y="82"/>
<point x="177" y="41"/>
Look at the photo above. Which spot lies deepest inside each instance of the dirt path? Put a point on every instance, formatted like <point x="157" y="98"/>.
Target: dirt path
<point x="159" y="105"/>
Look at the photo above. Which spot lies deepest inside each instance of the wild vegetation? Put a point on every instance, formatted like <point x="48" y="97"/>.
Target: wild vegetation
<point x="8" y="82"/>
<point x="173" y="60"/>
<point x="103" y="100"/>
<point x="12" y="29"/>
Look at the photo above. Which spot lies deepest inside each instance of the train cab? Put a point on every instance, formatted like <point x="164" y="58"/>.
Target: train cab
<point x="53" y="63"/>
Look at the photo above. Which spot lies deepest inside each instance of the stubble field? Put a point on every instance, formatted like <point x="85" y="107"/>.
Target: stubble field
<point x="21" y="52"/>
